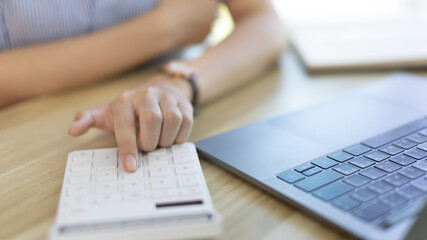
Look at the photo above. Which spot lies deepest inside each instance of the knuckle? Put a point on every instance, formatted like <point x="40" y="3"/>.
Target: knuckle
<point x="187" y="119"/>
<point x="152" y="117"/>
<point x="173" y="117"/>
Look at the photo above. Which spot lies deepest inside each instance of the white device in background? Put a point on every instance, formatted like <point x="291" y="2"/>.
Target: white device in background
<point x="166" y="198"/>
<point x="358" y="45"/>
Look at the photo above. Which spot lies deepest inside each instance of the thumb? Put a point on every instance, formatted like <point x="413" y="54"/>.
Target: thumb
<point x="84" y="120"/>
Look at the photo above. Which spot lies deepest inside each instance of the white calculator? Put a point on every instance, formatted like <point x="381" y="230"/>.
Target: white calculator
<point x="166" y="198"/>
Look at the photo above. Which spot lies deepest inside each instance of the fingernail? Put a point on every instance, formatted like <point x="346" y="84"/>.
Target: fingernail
<point x="131" y="162"/>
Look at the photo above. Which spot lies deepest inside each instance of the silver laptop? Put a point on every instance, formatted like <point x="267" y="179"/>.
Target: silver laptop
<point x="358" y="161"/>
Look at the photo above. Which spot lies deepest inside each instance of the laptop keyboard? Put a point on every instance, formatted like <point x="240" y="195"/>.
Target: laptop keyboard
<point x="381" y="180"/>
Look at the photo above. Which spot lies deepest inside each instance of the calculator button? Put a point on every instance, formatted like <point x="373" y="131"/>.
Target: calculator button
<point x="158" y="195"/>
<point x="180" y="148"/>
<point x="138" y="174"/>
<point x="133" y="186"/>
<point x="185" y="169"/>
<point x="107" y="160"/>
<point x="135" y="196"/>
<point x="157" y="160"/>
<point x="160" y="171"/>
<point x="159" y="151"/>
<point x="106" y="175"/>
<point x="76" y="212"/>
<point x="190" y="192"/>
<point x="189" y="181"/>
<point x="79" y="177"/>
<point x="81" y="166"/>
<point x="161" y="183"/>
<point x="106" y="187"/>
<point x="106" y="198"/>
<point x="82" y="156"/>
<point x="182" y="158"/>
<point x="76" y="201"/>
<point x="141" y="159"/>
<point x="78" y="189"/>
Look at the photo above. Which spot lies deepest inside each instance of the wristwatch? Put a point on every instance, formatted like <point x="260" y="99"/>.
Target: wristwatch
<point x="177" y="69"/>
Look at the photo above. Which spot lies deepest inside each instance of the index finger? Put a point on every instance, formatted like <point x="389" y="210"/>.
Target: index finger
<point x="125" y="130"/>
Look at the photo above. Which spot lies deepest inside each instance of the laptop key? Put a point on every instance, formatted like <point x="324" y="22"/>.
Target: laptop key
<point x="380" y="187"/>
<point x="391" y="149"/>
<point x="423" y="132"/>
<point x="377" y="156"/>
<point x="394" y="200"/>
<point x="409" y="192"/>
<point x="423" y="146"/>
<point x="311" y="183"/>
<point x="420" y="184"/>
<point x="303" y="167"/>
<point x="396" y="180"/>
<point x="372" y="173"/>
<point x="404" y="143"/>
<point x="362" y="162"/>
<point x="416" y="153"/>
<point x="346" y="168"/>
<point x="312" y="171"/>
<point x="345" y="203"/>
<point x="363" y="195"/>
<point x="372" y="211"/>
<point x="357" y="149"/>
<point x="324" y="162"/>
<point x="394" y="134"/>
<point x="405" y="212"/>
<point x="332" y="190"/>
<point x="290" y="176"/>
<point x="340" y="156"/>
<point x="418" y="138"/>
<point x="388" y="166"/>
<point x="403" y="160"/>
<point x="422" y="165"/>
<point x="356" y="180"/>
<point x="411" y="172"/>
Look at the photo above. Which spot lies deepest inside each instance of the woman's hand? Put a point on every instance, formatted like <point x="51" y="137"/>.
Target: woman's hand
<point x="160" y="107"/>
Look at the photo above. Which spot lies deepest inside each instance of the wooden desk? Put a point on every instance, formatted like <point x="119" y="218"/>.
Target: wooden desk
<point x="34" y="146"/>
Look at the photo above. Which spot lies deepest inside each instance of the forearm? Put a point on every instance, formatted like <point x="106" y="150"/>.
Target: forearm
<point x="50" y="67"/>
<point x="255" y="43"/>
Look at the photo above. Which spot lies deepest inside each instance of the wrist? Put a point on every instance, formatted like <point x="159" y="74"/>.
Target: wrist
<point x="177" y="85"/>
